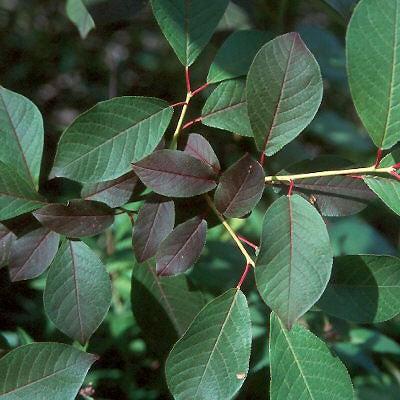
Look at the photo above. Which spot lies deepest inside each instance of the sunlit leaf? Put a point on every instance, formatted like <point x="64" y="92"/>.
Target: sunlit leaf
<point x="79" y="15"/>
<point x="198" y="147"/>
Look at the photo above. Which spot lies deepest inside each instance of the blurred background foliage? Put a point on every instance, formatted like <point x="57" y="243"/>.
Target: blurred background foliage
<point x="43" y="58"/>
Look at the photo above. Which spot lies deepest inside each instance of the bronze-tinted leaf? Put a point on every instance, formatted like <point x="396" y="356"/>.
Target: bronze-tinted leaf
<point x="7" y="237"/>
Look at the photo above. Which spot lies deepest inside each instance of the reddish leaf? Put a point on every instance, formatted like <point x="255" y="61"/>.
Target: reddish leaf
<point x="79" y="218"/>
<point x="201" y="149"/>
<point x="32" y="254"/>
<point x="240" y="188"/>
<point x="175" y="173"/>
<point x="7" y="238"/>
<point x="114" y="193"/>
<point x="154" y="223"/>
<point x="180" y="250"/>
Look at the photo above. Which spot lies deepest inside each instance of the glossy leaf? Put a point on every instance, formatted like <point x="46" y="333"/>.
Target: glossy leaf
<point x="211" y="360"/>
<point x="188" y="25"/>
<point x="22" y="135"/>
<point x="114" y="193"/>
<point x="295" y="259"/>
<point x="198" y="147"/>
<point x="240" y="188"/>
<point x="77" y="295"/>
<point x="80" y="16"/>
<point x="303" y="367"/>
<point x="175" y="173"/>
<point x="180" y="250"/>
<point x="43" y="371"/>
<point x="284" y="92"/>
<point x="17" y="195"/>
<point x="236" y="54"/>
<point x="363" y="288"/>
<point x="173" y="302"/>
<point x="154" y="223"/>
<point x="226" y="108"/>
<point x="77" y="219"/>
<point x="373" y="68"/>
<point x="7" y="238"/>
<point x="102" y="143"/>
<point x="32" y="253"/>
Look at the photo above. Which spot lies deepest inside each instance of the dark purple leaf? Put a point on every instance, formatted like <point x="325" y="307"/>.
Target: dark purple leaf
<point x="180" y="250"/>
<point x="154" y="223"/>
<point x="201" y="149"/>
<point x="175" y="173"/>
<point x="32" y="254"/>
<point x="7" y="238"/>
<point x="22" y="224"/>
<point x="240" y="188"/>
<point x="79" y="218"/>
<point x="114" y="193"/>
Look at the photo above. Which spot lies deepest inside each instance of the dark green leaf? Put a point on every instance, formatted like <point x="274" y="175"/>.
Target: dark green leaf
<point x="201" y="149"/>
<point x="236" y="54"/>
<point x="7" y="238"/>
<point x="78" y="218"/>
<point x="226" y="108"/>
<point x="188" y="25"/>
<point x="32" y="253"/>
<point x="363" y="288"/>
<point x="284" y="92"/>
<point x="211" y="360"/>
<point x="102" y="143"/>
<point x="240" y="188"/>
<point x="295" y="258"/>
<point x="180" y="250"/>
<point x="303" y="367"/>
<point x="79" y="15"/>
<point x="175" y="173"/>
<point x="372" y="57"/>
<point x="375" y="341"/>
<point x="342" y="7"/>
<point x="77" y="295"/>
<point x="154" y="223"/>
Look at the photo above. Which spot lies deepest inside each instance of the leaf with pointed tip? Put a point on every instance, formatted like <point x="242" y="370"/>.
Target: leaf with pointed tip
<point x="211" y="360"/>
<point x="102" y="143"/>
<point x="173" y="301"/>
<point x="7" y="239"/>
<point x="80" y="16"/>
<point x="154" y="223"/>
<point x="188" y="25"/>
<point x="372" y="61"/>
<point x="114" y="193"/>
<point x="198" y="147"/>
<point x="32" y="253"/>
<point x="295" y="259"/>
<point x="17" y="195"/>
<point x="182" y="247"/>
<point x="364" y="288"/>
<point x="22" y="135"/>
<point x="77" y="295"/>
<point x="284" y="92"/>
<point x="236" y="54"/>
<point x="77" y="219"/>
<point x="303" y="366"/>
<point x="175" y="173"/>
<point x="240" y="188"/>
<point x="226" y="108"/>
<point x="43" y="371"/>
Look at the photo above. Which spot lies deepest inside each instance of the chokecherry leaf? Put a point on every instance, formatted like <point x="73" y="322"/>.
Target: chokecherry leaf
<point x="7" y="238"/>
<point x="80" y="16"/>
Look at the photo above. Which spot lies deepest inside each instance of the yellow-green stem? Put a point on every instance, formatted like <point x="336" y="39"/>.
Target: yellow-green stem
<point x="174" y="141"/>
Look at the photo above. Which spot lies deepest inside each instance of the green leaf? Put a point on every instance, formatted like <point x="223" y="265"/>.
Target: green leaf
<point x="236" y="54"/>
<point x="284" y="92"/>
<point x="364" y="288"/>
<point x="80" y="16"/>
<point x="22" y="135"/>
<point x="226" y="108"/>
<point x="173" y="302"/>
<point x="102" y="143"/>
<point x="43" y="371"/>
<point x="373" y="62"/>
<point x="17" y="196"/>
<point x="342" y="7"/>
<point x="303" y="367"/>
<point x="211" y="360"/>
<point x="375" y="341"/>
<point x="188" y="25"/>
<point x="78" y="291"/>
<point x="295" y="258"/>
